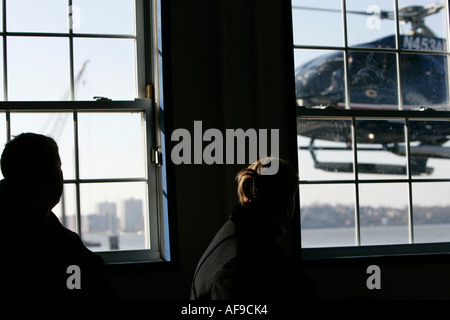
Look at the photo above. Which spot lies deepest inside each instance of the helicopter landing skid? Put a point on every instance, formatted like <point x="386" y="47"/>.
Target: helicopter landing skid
<point x="368" y="168"/>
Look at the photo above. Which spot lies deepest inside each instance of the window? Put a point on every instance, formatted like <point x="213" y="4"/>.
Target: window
<point x="372" y="90"/>
<point x="79" y="71"/>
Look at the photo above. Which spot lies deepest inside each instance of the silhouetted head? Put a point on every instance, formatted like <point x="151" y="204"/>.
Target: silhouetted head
<point x="272" y="196"/>
<point x="31" y="166"/>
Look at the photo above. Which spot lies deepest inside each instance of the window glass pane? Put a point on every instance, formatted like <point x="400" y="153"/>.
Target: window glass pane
<point x="368" y="25"/>
<point x="66" y="209"/>
<point x="384" y="213"/>
<point x="59" y="126"/>
<point x="327" y="215"/>
<point x="102" y="75"/>
<point x="37" y="16"/>
<point x="325" y="149"/>
<point x="428" y="35"/>
<point x="2" y="135"/>
<point x="111" y="145"/>
<point x="113" y="215"/>
<point x="425" y="81"/>
<point x="372" y="80"/>
<point x="38" y="68"/>
<point x="2" y="88"/>
<point x="389" y="79"/>
<point x="319" y="78"/>
<point x="430" y="149"/>
<point x="104" y="16"/>
<point x="431" y="212"/>
<point x="381" y="145"/>
<point x="317" y="22"/>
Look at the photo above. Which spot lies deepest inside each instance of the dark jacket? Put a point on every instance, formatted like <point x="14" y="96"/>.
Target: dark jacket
<point x="36" y="254"/>
<point x="245" y="261"/>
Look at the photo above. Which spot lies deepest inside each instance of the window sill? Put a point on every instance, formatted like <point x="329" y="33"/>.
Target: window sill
<point x="117" y="268"/>
<point x="436" y="252"/>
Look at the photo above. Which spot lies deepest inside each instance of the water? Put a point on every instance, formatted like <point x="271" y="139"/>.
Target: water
<point x="379" y="235"/>
<point x="314" y="238"/>
<point x="127" y="241"/>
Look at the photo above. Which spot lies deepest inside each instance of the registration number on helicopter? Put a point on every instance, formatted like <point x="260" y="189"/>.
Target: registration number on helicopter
<point x="422" y="43"/>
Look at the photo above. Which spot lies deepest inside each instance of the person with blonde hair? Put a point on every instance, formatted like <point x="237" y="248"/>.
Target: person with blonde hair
<point x="271" y="196"/>
<point x="245" y="260"/>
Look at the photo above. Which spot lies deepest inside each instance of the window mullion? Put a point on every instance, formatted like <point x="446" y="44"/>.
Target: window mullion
<point x="355" y="171"/>
<point x="142" y="48"/>
<point x="5" y="59"/>
<point x="71" y="60"/>
<point x="154" y="204"/>
<point x="8" y="125"/>
<point x="77" y="174"/>
<point x="447" y="13"/>
<point x="345" y="55"/>
<point x="410" y="194"/>
<point x="398" y="58"/>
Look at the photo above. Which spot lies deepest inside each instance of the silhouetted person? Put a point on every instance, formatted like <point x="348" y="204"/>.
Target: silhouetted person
<point x="245" y="260"/>
<point x="36" y="248"/>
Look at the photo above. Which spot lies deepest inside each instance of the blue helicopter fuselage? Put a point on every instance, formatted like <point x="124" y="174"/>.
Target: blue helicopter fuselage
<point x="373" y="76"/>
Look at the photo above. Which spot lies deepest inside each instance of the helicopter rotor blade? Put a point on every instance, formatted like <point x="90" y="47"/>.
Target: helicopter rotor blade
<point x="382" y="14"/>
<point x="315" y="9"/>
<point x="404" y="14"/>
<point x="419" y="12"/>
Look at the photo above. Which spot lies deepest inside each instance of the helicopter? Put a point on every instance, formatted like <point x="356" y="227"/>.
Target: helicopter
<point x="372" y="85"/>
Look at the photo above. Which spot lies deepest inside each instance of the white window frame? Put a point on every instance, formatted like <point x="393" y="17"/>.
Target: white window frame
<point x="146" y="103"/>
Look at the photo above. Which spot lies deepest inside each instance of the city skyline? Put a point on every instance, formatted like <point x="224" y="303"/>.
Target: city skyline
<point x="110" y="217"/>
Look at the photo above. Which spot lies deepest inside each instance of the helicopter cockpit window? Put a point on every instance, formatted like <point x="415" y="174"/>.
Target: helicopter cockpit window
<point x="322" y="80"/>
<point x="372" y="91"/>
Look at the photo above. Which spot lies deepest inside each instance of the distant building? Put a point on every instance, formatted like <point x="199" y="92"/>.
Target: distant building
<point x="132" y="217"/>
<point x="71" y="223"/>
<point x="108" y="219"/>
<point x="97" y="223"/>
<point x="107" y="214"/>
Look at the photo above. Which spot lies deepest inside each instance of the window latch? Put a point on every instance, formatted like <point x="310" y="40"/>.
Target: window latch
<point x="157" y="156"/>
<point x="98" y="98"/>
<point x="426" y="109"/>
